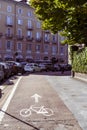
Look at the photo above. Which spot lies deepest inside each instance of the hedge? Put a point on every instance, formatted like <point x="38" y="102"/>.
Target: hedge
<point x="79" y="63"/>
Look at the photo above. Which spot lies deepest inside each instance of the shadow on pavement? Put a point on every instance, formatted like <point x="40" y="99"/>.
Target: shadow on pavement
<point x="50" y="73"/>
<point x="59" y="73"/>
<point x="20" y="120"/>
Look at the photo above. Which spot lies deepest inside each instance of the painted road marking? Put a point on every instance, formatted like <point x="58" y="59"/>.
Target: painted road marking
<point x="38" y="110"/>
<point x="5" y="106"/>
<point x="36" y="97"/>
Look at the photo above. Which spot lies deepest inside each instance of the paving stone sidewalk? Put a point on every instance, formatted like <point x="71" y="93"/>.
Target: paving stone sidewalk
<point x="73" y="92"/>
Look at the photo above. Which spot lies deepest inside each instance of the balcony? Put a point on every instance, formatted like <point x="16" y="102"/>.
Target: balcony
<point x="1" y="34"/>
<point x="29" y="38"/>
<point x="9" y="36"/>
<point x="38" y="39"/>
<point x="54" y="41"/>
<point x="30" y="27"/>
<point x="46" y="41"/>
<point x="9" y="24"/>
<point x="19" y="37"/>
<point x="47" y="31"/>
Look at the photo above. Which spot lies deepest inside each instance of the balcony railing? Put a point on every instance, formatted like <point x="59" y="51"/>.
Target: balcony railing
<point x="38" y="39"/>
<point x="30" y="27"/>
<point x="29" y="38"/>
<point x="10" y="36"/>
<point x="54" y="41"/>
<point x="9" y="24"/>
<point x="46" y="41"/>
<point x="47" y="31"/>
<point x="19" y="37"/>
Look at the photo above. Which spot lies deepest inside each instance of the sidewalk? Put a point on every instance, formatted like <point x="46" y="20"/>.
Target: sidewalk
<point x="73" y="92"/>
<point x="80" y="76"/>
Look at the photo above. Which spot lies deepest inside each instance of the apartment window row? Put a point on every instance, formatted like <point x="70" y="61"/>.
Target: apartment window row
<point x="9" y="45"/>
<point x="19" y="10"/>
<point x="29" y="34"/>
<point x="19" y="33"/>
<point x="9" y="21"/>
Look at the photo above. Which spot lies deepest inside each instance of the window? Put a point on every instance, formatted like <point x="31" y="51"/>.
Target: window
<point x="37" y="48"/>
<point x="19" y="32"/>
<point x="46" y="47"/>
<point x="46" y="37"/>
<point x="38" y="35"/>
<point x="29" y="47"/>
<point x="20" y="21"/>
<point x="29" y="23"/>
<point x="61" y="38"/>
<point x="37" y="57"/>
<point x="38" y="25"/>
<point x="54" y="49"/>
<point x="62" y="51"/>
<point x="20" y="11"/>
<point x="9" y="8"/>
<point x="29" y="33"/>
<point x="8" y="31"/>
<point x="9" y="20"/>
<point x="19" y="46"/>
<point x="8" y="45"/>
<point x="29" y="13"/>
<point x="54" y="38"/>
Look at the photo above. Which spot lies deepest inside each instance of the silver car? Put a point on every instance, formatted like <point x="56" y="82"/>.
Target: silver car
<point x="28" y="68"/>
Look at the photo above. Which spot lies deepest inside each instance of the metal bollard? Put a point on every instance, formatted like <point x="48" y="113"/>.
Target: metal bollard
<point x="73" y="73"/>
<point x="0" y="93"/>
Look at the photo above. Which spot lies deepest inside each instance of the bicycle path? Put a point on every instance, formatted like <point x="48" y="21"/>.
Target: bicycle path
<point x="54" y="116"/>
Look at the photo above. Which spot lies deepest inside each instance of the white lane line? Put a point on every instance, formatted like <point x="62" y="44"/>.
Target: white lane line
<point x="5" y="106"/>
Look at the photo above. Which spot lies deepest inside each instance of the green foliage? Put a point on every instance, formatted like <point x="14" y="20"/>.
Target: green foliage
<point x="70" y="16"/>
<point x="80" y="61"/>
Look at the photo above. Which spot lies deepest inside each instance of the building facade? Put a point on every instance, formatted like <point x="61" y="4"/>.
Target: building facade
<point x="21" y="36"/>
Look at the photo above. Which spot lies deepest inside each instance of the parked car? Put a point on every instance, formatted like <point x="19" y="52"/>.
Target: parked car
<point x="28" y="68"/>
<point x="6" y="69"/>
<point x="16" y="67"/>
<point x="23" y="65"/>
<point x="35" y="67"/>
<point x="67" y="67"/>
<point x="56" y="67"/>
<point x="1" y="73"/>
<point x="50" y="67"/>
<point x="42" y="67"/>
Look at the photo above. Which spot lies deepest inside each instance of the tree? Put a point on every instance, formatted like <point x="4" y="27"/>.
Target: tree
<point x="70" y="16"/>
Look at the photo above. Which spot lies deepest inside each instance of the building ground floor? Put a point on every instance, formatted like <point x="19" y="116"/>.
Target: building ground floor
<point x="22" y="50"/>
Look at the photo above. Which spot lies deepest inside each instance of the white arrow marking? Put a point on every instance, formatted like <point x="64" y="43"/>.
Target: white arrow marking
<point x="36" y="96"/>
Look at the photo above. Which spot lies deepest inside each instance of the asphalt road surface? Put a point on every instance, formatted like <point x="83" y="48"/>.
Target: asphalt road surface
<point x="31" y="103"/>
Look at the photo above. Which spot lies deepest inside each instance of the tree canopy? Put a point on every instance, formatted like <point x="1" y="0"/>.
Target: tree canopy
<point x="68" y="16"/>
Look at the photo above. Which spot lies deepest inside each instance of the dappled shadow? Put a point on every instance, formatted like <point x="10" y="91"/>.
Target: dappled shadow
<point x="26" y="123"/>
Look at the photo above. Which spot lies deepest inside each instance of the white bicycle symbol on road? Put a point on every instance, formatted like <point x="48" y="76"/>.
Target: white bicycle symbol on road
<point x="39" y="110"/>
